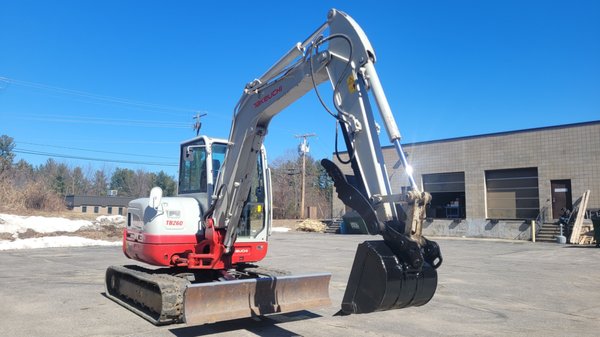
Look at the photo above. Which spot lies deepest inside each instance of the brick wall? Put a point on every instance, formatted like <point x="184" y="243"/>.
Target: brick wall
<point x="562" y="152"/>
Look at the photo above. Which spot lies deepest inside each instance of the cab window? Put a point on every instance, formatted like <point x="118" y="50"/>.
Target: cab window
<point x="218" y="156"/>
<point x="192" y="173"/>
<point x="252" y="220"/>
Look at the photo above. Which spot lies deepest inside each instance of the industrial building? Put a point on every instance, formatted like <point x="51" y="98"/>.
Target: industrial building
<point x="493" y="185"/>
<point x="105" y="205"/>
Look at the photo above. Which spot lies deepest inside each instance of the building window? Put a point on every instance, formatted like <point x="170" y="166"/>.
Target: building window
<point x="96" y="209"/>
<point x="512" y="193"/>
<point x="83" y="209"/>
<point x="109" y="210"/>
<point x="120" y="210"/>
<point x="447" y="195"/>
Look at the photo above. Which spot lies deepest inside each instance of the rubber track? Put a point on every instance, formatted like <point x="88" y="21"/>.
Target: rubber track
<point x="264" y="272"/>
<point x="170" y="289"/>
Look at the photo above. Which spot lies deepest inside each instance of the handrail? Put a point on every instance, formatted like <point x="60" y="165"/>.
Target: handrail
<point x="540" y="219"/>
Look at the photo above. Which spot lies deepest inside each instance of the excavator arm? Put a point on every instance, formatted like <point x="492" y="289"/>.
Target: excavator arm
<point x="344" y="58"/>
<point x="347" y="63"/>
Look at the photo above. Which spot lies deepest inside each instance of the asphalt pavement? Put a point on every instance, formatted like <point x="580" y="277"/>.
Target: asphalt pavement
<point x="486" y="288"/>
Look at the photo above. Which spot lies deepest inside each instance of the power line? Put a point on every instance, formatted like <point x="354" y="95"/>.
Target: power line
<point x="71" y="141"/>
<point x="103" y="99"/>
<point x="106" y="121"/>
<point x="57" y="155"/>
<point x="90" y="95"/>
<point x="90" y="150"/>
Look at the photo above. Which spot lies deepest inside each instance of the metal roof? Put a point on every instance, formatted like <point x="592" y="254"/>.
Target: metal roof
<point x="502" y="133"/>
<point x="95" y="200"/>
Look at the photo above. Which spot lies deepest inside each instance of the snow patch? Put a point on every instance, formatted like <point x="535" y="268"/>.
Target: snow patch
<point x="113" y="219"/>
<point x="54" y="241"/>
<point x="19" y="224"/>
<point x="15" y="224"/>
<point x="280" y="229"/>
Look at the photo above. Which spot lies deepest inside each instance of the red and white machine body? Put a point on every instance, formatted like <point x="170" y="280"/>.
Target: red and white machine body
<point x="170" y="231"/>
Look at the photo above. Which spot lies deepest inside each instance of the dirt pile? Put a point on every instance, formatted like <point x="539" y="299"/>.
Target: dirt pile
<point x="309" y="225"/>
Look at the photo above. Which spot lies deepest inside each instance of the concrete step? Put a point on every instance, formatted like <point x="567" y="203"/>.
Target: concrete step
<point x="545" y="237"/>
<point x="332" y="230"/>
<point x="545" y="240"/>
<point x="334" y="227"/>
<point x="548" y="233"/>
<point x="549" y="230"/>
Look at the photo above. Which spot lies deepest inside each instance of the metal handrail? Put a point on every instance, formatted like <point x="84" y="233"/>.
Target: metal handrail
<point x="540" y="219"/>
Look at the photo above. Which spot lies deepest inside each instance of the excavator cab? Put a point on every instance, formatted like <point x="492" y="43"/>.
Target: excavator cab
<point x="200" y="164"/>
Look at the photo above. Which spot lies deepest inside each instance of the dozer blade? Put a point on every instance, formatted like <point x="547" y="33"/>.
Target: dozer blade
<point x="220" y="301"/>
<point x="380" y="280"/>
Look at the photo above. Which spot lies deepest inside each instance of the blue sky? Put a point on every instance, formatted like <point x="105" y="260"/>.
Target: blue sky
<point x="124" y="78"/>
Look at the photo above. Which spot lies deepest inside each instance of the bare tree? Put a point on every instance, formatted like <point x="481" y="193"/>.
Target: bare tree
<point x="143" y="183"/>
<point x="286" y="181"/>
<point x="79" y="183"/>
<point x="99" y="183"/>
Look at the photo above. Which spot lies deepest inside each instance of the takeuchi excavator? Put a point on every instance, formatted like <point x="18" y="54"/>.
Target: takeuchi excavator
<point x="207" y="240"/>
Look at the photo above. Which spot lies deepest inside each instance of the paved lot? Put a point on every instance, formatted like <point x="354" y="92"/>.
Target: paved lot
<point x="486" y="288"/>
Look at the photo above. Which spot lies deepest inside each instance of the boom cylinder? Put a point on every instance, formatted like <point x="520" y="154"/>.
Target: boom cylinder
<point x="382" y="103"/>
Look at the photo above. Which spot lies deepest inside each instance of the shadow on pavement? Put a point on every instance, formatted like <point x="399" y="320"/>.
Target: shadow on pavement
<point x="261" y="326"/>
<point x="578" y="246"/>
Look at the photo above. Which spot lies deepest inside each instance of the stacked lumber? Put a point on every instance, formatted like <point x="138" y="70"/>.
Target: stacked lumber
<point x="580" y="207"/>
<point x="587" y="235"/>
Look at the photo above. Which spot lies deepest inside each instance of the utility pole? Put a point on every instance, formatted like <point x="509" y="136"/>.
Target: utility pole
<point x="302" y="151"/>
<point x="197" y="124"/>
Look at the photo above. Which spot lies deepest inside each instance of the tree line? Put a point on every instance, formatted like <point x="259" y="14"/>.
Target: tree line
<point x="43" y="187"/>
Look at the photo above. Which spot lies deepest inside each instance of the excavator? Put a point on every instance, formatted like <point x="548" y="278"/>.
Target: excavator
<point x="205" y="242"/>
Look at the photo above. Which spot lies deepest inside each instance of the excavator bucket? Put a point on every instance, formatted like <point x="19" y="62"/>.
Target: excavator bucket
<point x="380" y="280"/>
<point x="220" y="301"/>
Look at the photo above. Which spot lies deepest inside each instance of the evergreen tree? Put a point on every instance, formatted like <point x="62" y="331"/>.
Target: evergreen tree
<point x="166" y="182"/>
<point x="7" y="155"/>
<point x="123" y="180"/>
